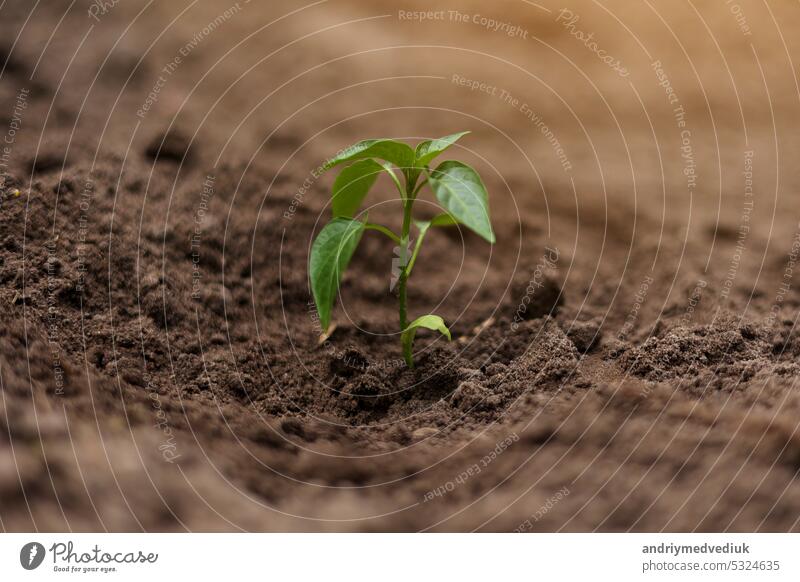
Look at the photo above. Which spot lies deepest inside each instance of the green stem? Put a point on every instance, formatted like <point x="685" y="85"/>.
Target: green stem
<point x="408" y="352"/>
<point x="416" y="251"/>
<point x="404" y="238"/>
<point x="418" y="188"/>
<point x="383" y="229"/>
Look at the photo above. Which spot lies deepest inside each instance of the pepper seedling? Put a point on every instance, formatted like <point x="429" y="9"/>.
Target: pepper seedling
<point x="458" y="188"/>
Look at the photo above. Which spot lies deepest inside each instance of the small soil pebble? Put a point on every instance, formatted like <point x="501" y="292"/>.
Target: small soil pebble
<point x="171" y="146"/>
<point x="348" y="363"/>
<point x="586" y="335"/>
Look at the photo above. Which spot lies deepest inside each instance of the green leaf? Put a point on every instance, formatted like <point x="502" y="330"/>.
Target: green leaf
<point x="429" y="149"/>
<point x="387" y="167"/>
<point x="461" y="192"/>
<point x="396" y="152"/>
<point x="330" y="255"/>
<point x="352" y="185"/>
<point x="433" y="322"/>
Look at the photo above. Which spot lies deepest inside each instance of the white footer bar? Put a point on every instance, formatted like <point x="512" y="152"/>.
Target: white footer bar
<point x="406" y="557"/>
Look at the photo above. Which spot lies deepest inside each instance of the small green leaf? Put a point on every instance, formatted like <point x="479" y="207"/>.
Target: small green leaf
<point x="396" y="152"/>
<point x="352" y="185"/>
<point x="330" y="255"/>
<point x="423" y="225"/>
<point x="433" y="322"/>
<point x="443" y="219"/>
<point x="429" y="149"/>
<point x="462" y="194"/>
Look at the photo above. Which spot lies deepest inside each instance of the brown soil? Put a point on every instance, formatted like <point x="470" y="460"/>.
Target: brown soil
<point x="624" y="358"/>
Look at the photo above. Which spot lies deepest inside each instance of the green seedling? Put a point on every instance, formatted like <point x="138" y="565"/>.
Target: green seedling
<point x="458" y="188"/>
